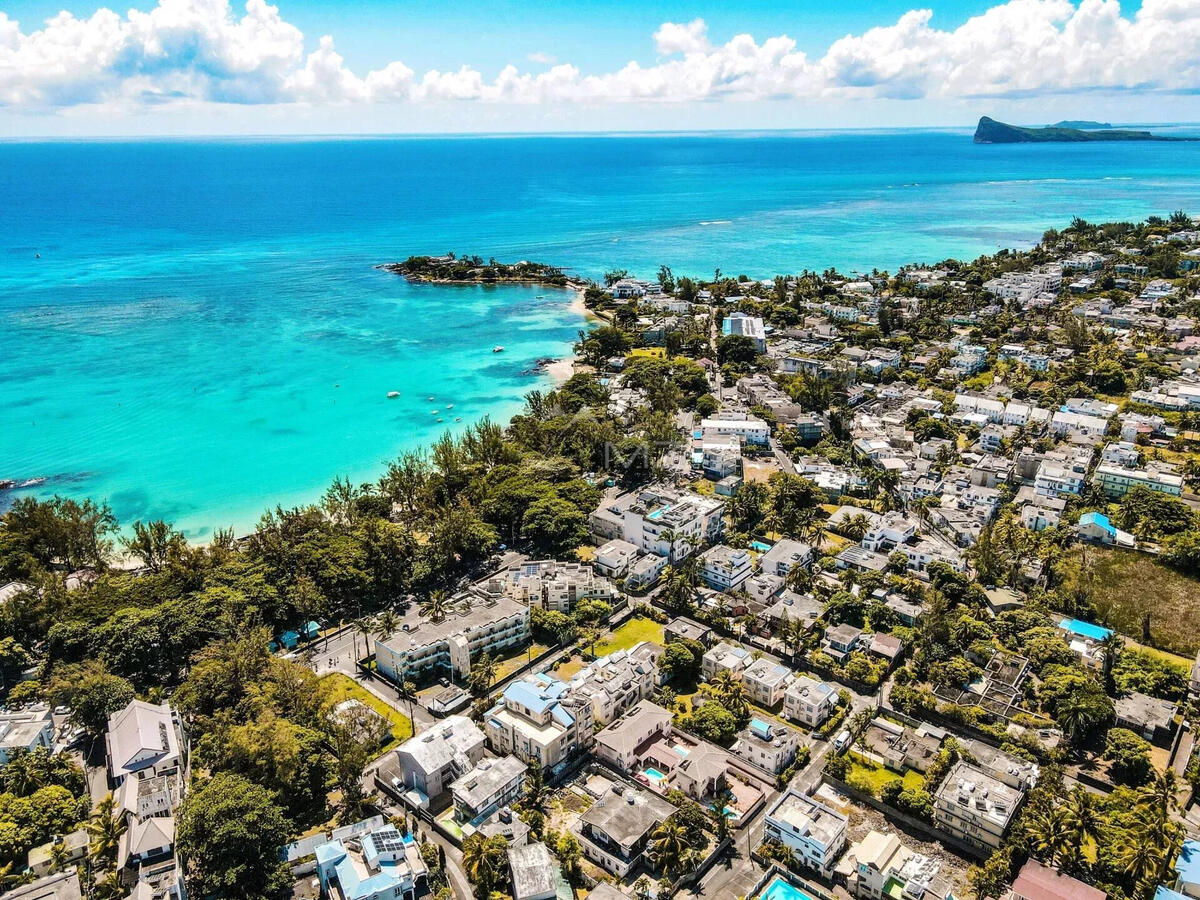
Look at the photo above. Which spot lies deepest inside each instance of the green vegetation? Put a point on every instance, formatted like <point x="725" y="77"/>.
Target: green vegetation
<point x="989" y="131"/>
<point x="338" y="687"/>
<point x="629" y="634"/>
<point x="1137" y="595"/>
<point x="872" y="777"/>
<point x="468" y="269"/>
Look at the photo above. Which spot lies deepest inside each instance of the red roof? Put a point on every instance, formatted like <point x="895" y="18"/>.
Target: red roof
<point x="1038" y="882"/>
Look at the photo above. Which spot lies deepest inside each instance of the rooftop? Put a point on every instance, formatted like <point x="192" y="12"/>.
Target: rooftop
<point x="532" y="870"/>
<point x="627" y="816"/>
<point x="1039" y="882"/>
<point x="808" y="817"/>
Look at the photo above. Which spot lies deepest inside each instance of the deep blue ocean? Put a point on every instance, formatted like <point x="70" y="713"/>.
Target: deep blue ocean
<point x="205" y="335"/>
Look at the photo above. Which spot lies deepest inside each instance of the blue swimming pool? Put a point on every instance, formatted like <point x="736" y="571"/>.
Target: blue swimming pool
<point x="759" y="546"/>
<point x="654" y="774"/>
<point x="779" y="888"/>
<point x="1084" y="629"/>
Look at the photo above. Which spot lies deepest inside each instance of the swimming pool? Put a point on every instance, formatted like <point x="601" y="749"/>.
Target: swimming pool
<point x="779" y="888"/>
<point x="759" y="546"/>
<point x="653" y="773"/>
<point x="1084" y="629"/>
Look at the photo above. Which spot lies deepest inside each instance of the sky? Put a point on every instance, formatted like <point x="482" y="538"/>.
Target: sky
<point x="75" y="68"/>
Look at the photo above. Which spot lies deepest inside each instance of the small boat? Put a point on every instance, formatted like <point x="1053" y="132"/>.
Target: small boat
<point x="497" y="349"/>
<point x="434" y="412"/>
<point x="449" y="406"/>
<point x="440" y="419"/>
<point x="431" y="399"/>
<point x="458" y="418"/>
<point x="392" y="395"/>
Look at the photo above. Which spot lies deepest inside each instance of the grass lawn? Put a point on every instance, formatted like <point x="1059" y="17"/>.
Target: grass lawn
<point x="585" y="553"/>
<point x="510" y="664"/>
<point x="1127" y="586"/>
<point x="656" y="352"/>
<point x="878" y="776"/>
<point x="343" y="687"/>
<point x="567" y="669"/>
<point x="632" y="632"/>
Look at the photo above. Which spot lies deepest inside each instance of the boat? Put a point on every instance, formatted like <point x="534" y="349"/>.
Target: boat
<point x="458" y="418"/>
<point x="440" y="419"/>
<point x="497" y="349"/>
<point x="434" y="412"/>
<point x="392" y="395"/>
<point x="449" y="406"/>
<point x="431" y="399"/>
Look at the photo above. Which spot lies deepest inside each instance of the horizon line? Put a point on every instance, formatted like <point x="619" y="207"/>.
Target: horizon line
<point x="614" y="133"/>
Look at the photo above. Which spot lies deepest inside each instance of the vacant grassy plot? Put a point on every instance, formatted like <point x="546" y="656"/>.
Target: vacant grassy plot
<point x="509" y="664"/>
<point x="342" y="687"/>
<point x="878" y="776"/>
<point x="632" y="632"/>
<point x="1128" y="586"/>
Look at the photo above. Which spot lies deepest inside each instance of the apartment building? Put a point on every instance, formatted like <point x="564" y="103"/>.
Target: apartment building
<point x="724" y="657"/>
<point x="725" y="568"/>
<point x="975" y="807"/>
<point x="660" y="520"/>
<point x="813" y="832"/>
<point x="809" y="702"/>
<point x="766" y="681"/>
<point x="1117" y="480"/>
<point x="551" y="584"/>
<point x="769" y="745"/>
<point x="430" y="761"/>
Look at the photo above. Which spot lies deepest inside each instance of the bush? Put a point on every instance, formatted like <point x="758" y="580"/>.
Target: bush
<point x="1130" y="757"/>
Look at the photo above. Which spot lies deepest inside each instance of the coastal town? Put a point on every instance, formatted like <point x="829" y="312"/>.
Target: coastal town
<point x="878" y="585"/>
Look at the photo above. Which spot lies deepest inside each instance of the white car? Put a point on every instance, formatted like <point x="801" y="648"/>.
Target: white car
<point x="842" y="741"/>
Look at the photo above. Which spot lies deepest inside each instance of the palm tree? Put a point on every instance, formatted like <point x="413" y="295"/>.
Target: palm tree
<point x="386" y="624"/>
<point x="483" y="673"/>
<point x="434" y="606"/>
<point x="1111" y="645"/>
<point x="668" y="844"/>
<point x="58" y="855"/>
<point x="1139" y="860"/>
<point x="1084" y="816"/>
<point x="109" y="887"/>
<point x="1161" y="797"/>
<point x="105" y="828"/>
<point x="1049" y="834"/>
<point x="641" y="888"/>
<point x="482" y="861"/>
<point x="721" y="812"/>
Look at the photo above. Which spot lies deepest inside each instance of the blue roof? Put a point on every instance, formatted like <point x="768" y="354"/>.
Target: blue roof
<point x="1165" y="893"/>
<point x="1188" y="864"/>
<point x="528" y="696"/>
<point x="1085" y="629"/>
<point x="1100" y="520"/>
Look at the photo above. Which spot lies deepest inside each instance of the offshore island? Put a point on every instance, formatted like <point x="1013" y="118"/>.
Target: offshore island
<point x="826" y="584"/>
<point x="989" y="131"/>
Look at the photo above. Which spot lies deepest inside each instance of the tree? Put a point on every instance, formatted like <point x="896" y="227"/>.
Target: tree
<point x="483" y="673"/>
<point x="105" y="828"/>
<point x="484" y="861"/>
<point x="713" y="723"/>
<point x="1129" y="755"/>
<point x="737" y="349"/>
<point x="569" y="853"/>
<point x="668" y="844"/>
<point x="1049" y="834"/>
<point x="990" y="879"/>
<point x="678" y="663"/>
<point x="555" y="526"/>
<point x="435" y="605"/>
<point x="153" y="543"/>
<point x="230" y="837"/>
<point x="93" y="697"/>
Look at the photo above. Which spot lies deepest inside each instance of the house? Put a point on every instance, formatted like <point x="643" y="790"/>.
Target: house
<point x="784" y="555"/>
<point x="60" y="886"/>
<point x="493" y="783"/>
<point x="766" y="681"/>
<point x="1096" y="528"/>
<point x="550" y="584"/>
<point x="537" y="721"/>
<point x="724" y="658"/>
<point x="430" y="761"/>
<point x="809" y="702"/>
<point x="142" y="798"/>
<point x="725" y="568"/>
<point x="682" y="628"/>
<point x="506" y="824"/>
<point x="887" y="646"/>
<point x="25" y="730"/>
<point x="1003" y="599"/>
<point x="768" y="745"/>
<point x="380" y="864"/>
<point x="533" y="872"/>
<point x="1187" y="869"/>
<point x="615" y="557"/>
<point x="472" y="625"/>
<point x="41" y="859"/>
<point x="880" y="867"/>
<point x="701" y="774"/>
<point x="615" y="830"/>
<point x="142" y="740"/>
<point x="146" y="841"/>
<point x="841" y="640"/>
<point x="901" y="747"/>
<point x="619" y="742"/>
<point x="1040" y="882"/>
<point x="1117" y="480"/>
<point x="1148" y="716"/>
<point x="974" y="807"/>
<point x="813" y="832"/>
<point x="740" y="323"/>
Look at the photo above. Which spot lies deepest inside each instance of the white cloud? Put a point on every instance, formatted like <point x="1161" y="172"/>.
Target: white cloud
<point x="542" y="59"/>
<point x="202" y="50"/>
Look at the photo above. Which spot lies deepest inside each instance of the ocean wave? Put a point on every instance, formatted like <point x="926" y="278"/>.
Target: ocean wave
<point x="718" y="222"/>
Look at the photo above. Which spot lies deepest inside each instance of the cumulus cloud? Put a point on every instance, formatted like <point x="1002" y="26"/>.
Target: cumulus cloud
<point x="206" y="51"/>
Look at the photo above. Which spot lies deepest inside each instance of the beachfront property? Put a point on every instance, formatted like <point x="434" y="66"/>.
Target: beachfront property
<point x="380" y="864"/>
<point x="472" y="625"/>
<point x="493" y="783"/>
<point x="430" y="761"/>
<point x="1117" y="480"/>
<point x="771" y="746"/>
<point x="725" y="568"/>
<point x="813" y="832"/>
<point x="550" y="584"/>
<point x="880" y="866"/>
<point x="745" y="325"/>
<point x="975" y="807"/>
<point x="809" y="702"/>
<point x="25" y="730"/>
<point x="766" y="681"/>
<point x="660" y="520"/>
<point x="143" y="740"/>
<point x="724" y="657"/>
<point x="615" y="830"/>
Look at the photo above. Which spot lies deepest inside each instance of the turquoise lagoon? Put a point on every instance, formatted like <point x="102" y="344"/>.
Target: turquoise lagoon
<point x="195" y="330"/>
